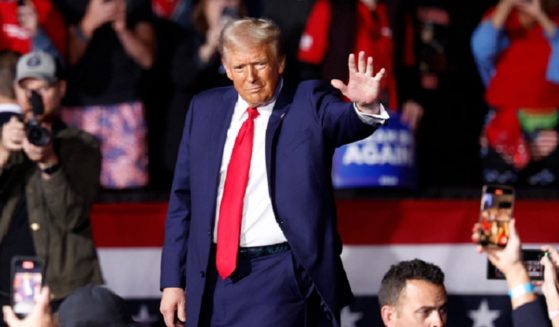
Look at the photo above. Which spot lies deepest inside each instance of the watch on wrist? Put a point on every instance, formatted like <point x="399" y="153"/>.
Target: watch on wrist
<point x="51" y="169"/>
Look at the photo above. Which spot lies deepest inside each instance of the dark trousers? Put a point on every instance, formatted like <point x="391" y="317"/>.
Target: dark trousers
<point x="271" y="290"/>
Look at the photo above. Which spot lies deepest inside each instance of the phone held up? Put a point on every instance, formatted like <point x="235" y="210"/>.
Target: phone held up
<point x="27" y="280"/>
<point x="497" y="203"/>
<point x="531" y="259"/>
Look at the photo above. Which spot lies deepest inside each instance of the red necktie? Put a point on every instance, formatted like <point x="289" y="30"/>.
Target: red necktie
<point x="231" y="208"/>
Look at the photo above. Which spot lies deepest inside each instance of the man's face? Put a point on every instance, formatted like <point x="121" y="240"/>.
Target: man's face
<point x="421" y="304"/>
<point x="50" y="93"/>
<point x="255" y="72"/>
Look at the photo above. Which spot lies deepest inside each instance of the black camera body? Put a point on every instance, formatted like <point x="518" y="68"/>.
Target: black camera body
<point x="37" y="134"/>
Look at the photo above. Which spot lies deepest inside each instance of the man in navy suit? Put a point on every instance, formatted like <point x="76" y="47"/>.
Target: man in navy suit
<point x="286" y="269"/>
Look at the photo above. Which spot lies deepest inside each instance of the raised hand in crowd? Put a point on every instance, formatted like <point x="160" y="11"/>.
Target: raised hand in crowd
<point x="41" y="315"/>
<point x="98" y="13"/>
<point x="534" y="8"/>
<point x="509" y="261"/>
<point x="119" y="22"/>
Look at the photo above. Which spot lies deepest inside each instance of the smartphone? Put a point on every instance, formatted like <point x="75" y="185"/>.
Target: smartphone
<point x="497" y="202"/>
<point x="531" y="259"/>
<point x="27" y="280"/>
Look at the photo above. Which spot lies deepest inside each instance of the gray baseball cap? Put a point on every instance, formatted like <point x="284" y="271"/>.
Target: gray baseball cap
<point x="37" y="64"/>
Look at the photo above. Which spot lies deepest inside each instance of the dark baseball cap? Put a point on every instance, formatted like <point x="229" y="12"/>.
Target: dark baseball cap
<point x="94" y="306"/>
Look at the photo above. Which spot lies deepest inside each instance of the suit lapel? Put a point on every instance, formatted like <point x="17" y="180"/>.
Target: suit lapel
<point x="280" y="110"/>
<point x="221" y="119"/>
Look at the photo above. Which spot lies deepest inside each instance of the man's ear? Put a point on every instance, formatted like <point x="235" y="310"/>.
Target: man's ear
<point x="281" y="66"/>
<point x="388" y="315"/>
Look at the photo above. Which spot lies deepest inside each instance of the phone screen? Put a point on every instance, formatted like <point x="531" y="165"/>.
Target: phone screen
<point x="27" y="280"/>
<point x="495" y="213"/>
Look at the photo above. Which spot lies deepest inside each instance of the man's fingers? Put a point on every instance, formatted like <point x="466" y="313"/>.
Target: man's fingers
<point x="168" y="317"/>
<point x="168" y="312"/>
<point x="369" y="71"/>
<point x="380" y="74"/>
<point x="338" y="85"/>
<point x="351" y="63"/>
<point x="9" y="316"/>
<point x="43" y="299"/>
<point x="172" y="305"/>
<point x="549" y="273"/>
<point x="553" y="254"/>
<point x="181" y="311"/>
<point x="361" y="62"/>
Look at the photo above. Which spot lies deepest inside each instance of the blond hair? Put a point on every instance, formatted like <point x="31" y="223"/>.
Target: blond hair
<point x="249" y="32"/>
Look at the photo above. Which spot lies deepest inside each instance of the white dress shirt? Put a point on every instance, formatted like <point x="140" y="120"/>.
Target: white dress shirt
<point x="259" y="226"/>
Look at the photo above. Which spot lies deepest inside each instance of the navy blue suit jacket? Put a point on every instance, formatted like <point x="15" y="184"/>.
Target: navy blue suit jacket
<point x="305" y="127"/>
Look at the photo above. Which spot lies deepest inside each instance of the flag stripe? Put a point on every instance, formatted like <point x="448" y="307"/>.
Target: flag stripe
<point x="361" y="222"/>
<point x="134" y="272"/>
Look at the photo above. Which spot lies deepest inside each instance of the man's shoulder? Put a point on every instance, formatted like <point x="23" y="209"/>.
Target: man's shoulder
<point x="312" y="91"/>
<point x="314" y="86"/>
<point x="216" y="94"/>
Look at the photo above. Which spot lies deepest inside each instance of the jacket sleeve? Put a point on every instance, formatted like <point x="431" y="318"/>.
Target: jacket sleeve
<point x="530" y="314"/>
<point x="552" y="73"/>
<point x="177" y="223"/>
<point x="339" y="120"/>
<point x="487" y="43"/>
<point x="70" y="192"/>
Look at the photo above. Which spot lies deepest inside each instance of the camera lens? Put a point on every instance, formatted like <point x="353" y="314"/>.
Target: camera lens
<point x="38" y="135"/>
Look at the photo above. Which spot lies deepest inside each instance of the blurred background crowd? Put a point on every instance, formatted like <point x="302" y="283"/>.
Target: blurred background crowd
<point x="476" y="102"/>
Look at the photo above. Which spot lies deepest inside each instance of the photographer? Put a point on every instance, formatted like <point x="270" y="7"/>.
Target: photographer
<point x="48" y="180"/>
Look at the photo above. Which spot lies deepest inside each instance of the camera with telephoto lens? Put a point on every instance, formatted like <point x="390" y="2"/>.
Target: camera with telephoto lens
<point x="36" y="134"/>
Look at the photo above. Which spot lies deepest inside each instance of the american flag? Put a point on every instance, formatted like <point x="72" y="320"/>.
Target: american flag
<point x="376" y="234"/>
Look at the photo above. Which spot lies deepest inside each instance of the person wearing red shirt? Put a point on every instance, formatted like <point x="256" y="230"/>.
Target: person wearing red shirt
<point x="516" y="48"/>
<point x="32" y="25"/>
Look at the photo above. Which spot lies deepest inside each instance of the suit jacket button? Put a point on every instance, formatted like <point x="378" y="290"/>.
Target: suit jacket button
<point x="35" y="227"/>
<point x="202" y="274"/>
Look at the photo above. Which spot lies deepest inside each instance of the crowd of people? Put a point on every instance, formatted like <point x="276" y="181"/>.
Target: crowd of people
<point x="133" y="68"/>
<point x="252" y="207"/>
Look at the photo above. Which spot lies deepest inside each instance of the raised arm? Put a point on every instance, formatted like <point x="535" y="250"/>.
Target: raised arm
<point x="138" y="41"/>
